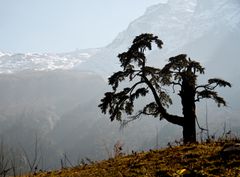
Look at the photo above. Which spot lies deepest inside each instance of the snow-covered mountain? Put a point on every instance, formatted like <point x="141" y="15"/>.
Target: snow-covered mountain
<point x="12" y="63"/>
<point x="179" y="23"/>
<point x="185" y="26"/>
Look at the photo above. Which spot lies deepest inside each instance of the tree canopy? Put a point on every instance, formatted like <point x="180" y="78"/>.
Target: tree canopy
<point x="180" y="71"/>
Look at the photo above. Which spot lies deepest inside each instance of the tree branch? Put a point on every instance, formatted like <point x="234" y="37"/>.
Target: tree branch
<point x="170" y="118"/>
<point x="217" y="82"/>
<point x="134" y="86"/>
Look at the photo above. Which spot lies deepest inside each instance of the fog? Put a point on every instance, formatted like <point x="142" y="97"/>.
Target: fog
<point x="59" y="110"/>
<point x="56" y="110"/>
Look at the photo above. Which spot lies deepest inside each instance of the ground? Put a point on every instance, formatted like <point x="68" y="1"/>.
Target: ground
<point x="202" y="159"/>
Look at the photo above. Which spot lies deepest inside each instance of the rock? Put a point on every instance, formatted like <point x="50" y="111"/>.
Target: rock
<point x="230" y="150"/>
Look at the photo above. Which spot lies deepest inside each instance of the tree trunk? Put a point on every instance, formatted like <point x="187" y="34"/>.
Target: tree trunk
<point x="187" y="94"/>
<point x="189" y="128"/>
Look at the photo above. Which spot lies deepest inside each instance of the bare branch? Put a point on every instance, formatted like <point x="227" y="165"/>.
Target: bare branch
<point x="203" y="129"/>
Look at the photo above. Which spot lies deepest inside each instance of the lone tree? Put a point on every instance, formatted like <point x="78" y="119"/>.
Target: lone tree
<point x="179" y="71"/>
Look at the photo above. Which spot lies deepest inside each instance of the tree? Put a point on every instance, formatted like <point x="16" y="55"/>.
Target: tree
<point x="180" y="71"/>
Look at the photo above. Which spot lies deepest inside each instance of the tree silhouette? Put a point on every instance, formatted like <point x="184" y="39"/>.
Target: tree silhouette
<point x="180" y="71"/>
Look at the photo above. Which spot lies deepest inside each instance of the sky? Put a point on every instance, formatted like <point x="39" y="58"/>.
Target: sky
<point x="52" y="26"/>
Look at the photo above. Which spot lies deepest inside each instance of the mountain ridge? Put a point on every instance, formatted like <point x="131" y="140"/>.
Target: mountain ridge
<point x="176" y="22"/>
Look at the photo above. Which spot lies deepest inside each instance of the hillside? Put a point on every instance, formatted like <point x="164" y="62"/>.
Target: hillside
<point x="220" y="158"/>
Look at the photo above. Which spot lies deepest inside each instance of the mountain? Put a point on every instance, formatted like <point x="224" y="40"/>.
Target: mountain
<point x="183" y="25"/>
<point x="195" y="27"/>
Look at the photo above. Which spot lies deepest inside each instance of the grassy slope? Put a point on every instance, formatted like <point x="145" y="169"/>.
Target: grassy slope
<point x="192" y="160"/>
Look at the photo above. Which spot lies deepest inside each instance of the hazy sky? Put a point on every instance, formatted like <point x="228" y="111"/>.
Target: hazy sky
<point x="64" y="25"/>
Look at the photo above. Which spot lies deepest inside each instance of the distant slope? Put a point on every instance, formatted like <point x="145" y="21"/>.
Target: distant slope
<point x="32" y="103"/>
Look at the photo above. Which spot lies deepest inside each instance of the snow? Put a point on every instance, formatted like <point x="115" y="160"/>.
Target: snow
<point x="1" y="54"/>
<point x="40" y="62"/>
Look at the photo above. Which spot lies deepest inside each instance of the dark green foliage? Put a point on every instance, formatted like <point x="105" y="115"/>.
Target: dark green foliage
<point x="180" y="71"/>
<point x="219" y="82"/>
<point x="206" y="91"/>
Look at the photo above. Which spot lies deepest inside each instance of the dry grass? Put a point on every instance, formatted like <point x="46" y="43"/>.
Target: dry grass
<point x="193" y="160"/>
